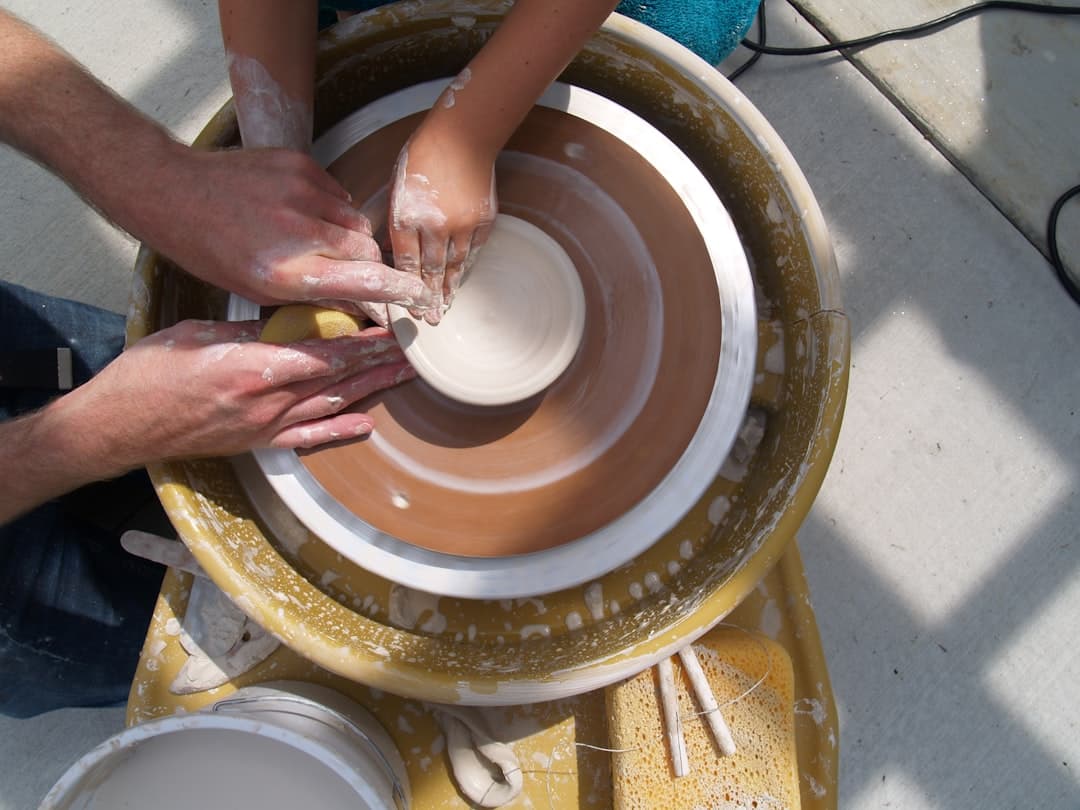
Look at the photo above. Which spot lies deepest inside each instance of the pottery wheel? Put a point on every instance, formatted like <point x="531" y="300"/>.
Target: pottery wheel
<point x="624" y="441"/>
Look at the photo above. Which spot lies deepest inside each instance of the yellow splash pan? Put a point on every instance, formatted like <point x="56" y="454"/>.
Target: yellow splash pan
<point x="364" y="628"/>
<point x="564" y="745"/>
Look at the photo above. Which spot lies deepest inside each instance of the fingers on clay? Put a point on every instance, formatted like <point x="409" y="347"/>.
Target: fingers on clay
<point x="330" y="400"/>
<point x="311" y="434"/>
<point x="337" y="358"/>
<point x="366" y="281"/>
<point x="456" y="262"/>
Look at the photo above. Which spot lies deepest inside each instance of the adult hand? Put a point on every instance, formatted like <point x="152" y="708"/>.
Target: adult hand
<point x="442" y="208"/>
<point x="271" y="225"/>
<point x="199" y="388"/>
<point x="207" y="388"/>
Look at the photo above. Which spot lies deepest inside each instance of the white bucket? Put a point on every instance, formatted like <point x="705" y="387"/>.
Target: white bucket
<point x="274" y="747"/>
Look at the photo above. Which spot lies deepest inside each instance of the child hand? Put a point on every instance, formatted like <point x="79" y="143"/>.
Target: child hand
<point x="442" y="207"/>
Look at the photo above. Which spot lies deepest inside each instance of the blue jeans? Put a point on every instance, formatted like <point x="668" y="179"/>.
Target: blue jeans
<point x="74" y="606"/>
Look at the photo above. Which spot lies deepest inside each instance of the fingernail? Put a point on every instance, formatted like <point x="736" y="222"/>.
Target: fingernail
<point x="362" y="429"/>
<point x="420" y="310"/>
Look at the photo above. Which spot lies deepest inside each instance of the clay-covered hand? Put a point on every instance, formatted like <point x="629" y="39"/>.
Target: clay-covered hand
<point x="207" y="388"/>
<point x="442" y="207"/>
<point x="273" y="226"/>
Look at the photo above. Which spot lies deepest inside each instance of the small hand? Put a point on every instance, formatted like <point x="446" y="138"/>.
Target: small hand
<point x="442" y="207"/>
<point x="206" y="388"/>
<point x="271" y="225"/>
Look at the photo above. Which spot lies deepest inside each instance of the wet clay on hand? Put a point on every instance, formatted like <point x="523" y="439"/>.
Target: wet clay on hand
<point x="514" y="479"/>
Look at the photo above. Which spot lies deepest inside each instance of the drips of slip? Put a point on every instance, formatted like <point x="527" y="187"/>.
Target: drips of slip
<point x="515" y="325"/>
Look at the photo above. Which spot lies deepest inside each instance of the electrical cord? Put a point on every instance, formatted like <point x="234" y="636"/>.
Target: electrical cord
<point x="1071" y="285"/>
<point x="913" y="31"/>
<point x="749" y="63"/>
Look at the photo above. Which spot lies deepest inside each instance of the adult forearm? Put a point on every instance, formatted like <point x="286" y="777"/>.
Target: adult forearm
<point x="52" y="110"/>
<point x="43" y="455"/>
<point x="194" y="390"/>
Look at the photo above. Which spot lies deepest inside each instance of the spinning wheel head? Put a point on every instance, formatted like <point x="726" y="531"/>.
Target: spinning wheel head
<point x="680" y="578"/>
<point x="584" y="473"/>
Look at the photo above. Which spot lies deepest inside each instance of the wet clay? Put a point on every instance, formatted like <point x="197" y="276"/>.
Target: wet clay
<point x="481" y="481"/>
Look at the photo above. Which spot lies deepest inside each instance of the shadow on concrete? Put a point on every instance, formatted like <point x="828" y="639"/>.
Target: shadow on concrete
<point x="54" y="242"/>
<point x="916" y="704"/>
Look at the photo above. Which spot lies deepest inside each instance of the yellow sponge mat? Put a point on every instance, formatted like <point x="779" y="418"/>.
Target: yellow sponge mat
<point x="295" y="322"/>
<point x="762" y="774"/>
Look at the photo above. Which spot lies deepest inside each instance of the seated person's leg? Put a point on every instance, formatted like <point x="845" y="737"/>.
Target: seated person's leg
<point x="73" y="605"/>
<point x="30" y="320"/>
<point x="74" y="608"/>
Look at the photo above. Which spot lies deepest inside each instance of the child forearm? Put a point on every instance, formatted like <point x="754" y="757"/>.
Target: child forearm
<point x="270" y="46"/>
<point x="528" y="51"/>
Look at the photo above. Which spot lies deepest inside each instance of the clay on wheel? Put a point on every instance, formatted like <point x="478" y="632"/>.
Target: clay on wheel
<point x="515" y="325"/>
<point x="537" y="474"/>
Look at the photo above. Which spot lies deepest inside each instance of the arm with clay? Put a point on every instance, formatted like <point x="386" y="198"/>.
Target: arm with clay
<point x="443" y="200"/>
<point x="270" y="47"/>
<point x="196" y="389"/>
<point x="270" y="224"/>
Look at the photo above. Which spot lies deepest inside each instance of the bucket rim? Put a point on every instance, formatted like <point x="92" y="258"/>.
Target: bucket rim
<point x="128" y="740"/>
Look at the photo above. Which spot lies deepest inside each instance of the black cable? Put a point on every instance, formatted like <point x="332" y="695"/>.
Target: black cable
<point x="1071" y="286"/>
<point x="749" y="63"/>
<point x="1067" y="281"/>
<point x="914" y="30"/>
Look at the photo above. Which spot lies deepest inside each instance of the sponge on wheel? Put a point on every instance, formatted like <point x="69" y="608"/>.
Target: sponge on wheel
<point x="303" y="322"/>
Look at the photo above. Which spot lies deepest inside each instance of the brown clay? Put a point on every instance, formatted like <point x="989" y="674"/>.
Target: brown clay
<point x="522" y="478"/>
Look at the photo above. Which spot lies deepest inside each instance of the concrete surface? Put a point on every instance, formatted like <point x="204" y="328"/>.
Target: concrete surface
<point x="943" y="550"/>
<point x="997" y="93"/>
<point x="165" y="57"/>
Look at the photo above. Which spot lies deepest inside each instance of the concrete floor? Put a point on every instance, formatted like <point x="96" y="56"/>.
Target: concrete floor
<point x="943" y="551"/>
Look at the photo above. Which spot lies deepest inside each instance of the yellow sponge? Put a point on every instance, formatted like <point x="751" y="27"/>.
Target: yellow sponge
<point x="763" y="772"/>
<point x="303" y="322"/>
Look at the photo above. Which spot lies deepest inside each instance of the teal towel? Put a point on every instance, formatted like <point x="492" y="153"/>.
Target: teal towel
<point x="710" y="28"/>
